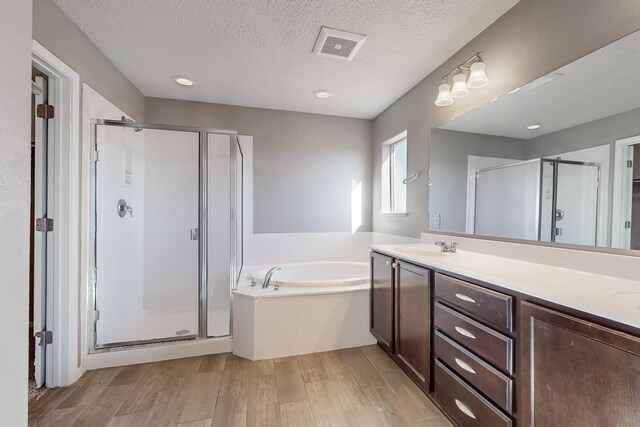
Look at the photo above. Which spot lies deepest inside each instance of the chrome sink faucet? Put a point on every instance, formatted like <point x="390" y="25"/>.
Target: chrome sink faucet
<point x="446" y="248"/>
<point x="267" y="277"/>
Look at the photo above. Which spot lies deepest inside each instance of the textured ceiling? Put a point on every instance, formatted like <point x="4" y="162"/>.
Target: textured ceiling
<point x="258" y="53"/>
<point x="601" y="84"/>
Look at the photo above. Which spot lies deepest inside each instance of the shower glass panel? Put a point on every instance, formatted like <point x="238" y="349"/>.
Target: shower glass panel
<point x="547" y="201"/>
<point x="507" y="202"/>
<point x="576" y="203"/>
<point x="219" y="266"/>
<point x="146" y="235"/>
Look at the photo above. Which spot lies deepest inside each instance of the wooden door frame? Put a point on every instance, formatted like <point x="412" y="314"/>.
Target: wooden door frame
<point x="621" y="205"/>
<point x="63" y="288"/>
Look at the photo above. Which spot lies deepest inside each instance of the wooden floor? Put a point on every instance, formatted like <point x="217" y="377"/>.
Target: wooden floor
<point x="352" y="387"/>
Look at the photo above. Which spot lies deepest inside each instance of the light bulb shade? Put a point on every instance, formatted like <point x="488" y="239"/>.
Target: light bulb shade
<point x="459" y="89"/>
<point x="444" y="95"/>
<point x="477" y="76"/>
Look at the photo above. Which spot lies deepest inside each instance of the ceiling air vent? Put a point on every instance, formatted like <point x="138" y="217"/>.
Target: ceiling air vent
<point x="338" y="44"/>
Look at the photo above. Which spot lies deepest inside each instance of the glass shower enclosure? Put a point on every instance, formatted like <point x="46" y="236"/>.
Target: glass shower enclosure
<point x="168" y="232"/>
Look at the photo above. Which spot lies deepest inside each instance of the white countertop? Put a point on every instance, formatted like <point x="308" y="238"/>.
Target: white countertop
<point x="605" y="296"/>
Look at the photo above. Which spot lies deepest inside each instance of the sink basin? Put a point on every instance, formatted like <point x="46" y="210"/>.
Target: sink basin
<point x="627" y="301"/>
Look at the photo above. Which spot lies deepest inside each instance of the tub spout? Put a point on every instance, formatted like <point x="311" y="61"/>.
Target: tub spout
<point x="267" y="277"/>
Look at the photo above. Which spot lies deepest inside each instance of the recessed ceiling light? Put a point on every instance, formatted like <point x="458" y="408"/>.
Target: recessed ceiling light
<point x="184" y="81"/>
<point x="515" y="90"/>
<point x="322" y="94"/>
<point x="533" y="127"/>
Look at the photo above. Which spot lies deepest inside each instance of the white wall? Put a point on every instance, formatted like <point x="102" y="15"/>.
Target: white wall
<point x="15" y="104"/>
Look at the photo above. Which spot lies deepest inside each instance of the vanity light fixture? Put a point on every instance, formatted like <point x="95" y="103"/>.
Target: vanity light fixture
<point x="477" y="76"/>
<point x="183" y="81"/>
<point x="534" y="127"/>
<point x="460" y="89"/>
<point x="444" y="95"/>
<point x="322" y="94"/>
<point x="461" y="85"/>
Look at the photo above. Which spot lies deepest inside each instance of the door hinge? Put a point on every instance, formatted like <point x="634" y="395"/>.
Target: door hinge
<point x="629" y="163"/>
<point x="45" y="111"/>
<point x="195" y="234"/>
<point x="96" y="315"/>
<point x="96" y="156"/>
<point x="46" y="337"/>
<point x="627" y="224"/>
<point x="44" y="224"/>
<point x="557" y="231"/>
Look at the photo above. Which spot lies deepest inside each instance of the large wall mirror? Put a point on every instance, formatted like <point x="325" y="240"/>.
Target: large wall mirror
<point x="552" y="161"/>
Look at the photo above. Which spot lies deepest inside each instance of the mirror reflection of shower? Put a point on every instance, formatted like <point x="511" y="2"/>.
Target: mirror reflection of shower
<point x="550" y="200"/>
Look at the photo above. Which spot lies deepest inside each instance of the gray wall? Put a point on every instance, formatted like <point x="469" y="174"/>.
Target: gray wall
<point x="56" y="32"/>
<point x="587" y="135"/>
<point x="303" y="165"/>
<point x="449" y="152"/>
<point x="15" y="141"/>
<point x="534" y="38"/>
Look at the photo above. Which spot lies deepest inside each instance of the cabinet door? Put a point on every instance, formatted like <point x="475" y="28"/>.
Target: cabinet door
<point x="413" y="321"/>
<point x="576" y="373"/>
<point x="381" y="316"/>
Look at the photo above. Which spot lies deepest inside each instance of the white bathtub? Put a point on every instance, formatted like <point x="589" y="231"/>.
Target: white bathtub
<point x="320" y="274"/>
<point x="319" y="306"/>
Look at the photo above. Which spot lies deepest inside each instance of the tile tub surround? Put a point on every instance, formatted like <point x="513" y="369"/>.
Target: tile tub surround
<point x="294" y="321"/>
<point x="605" y="296"/>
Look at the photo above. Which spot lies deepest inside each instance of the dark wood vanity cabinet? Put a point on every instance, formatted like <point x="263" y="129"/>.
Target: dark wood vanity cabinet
<point x="400" y="314"/>
<point x="473" y="353"/>
<point x="499" y="359"/>
<point x="412" y="319"/>
<point x="382" y="301"/>
<point x="577" y="373"/>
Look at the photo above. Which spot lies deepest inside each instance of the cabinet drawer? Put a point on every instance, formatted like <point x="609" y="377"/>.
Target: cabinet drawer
<point x="482" y="340"/>
<point x="495" y="385"/>
<point x="487" y="305"/>
<point x="465" y="405"/>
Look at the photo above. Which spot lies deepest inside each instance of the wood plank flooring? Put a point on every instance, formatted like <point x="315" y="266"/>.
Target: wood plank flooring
<point x="351" y="387"/>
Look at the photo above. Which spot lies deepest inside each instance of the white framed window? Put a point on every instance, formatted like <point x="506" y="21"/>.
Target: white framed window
<point x="394" y="172"/>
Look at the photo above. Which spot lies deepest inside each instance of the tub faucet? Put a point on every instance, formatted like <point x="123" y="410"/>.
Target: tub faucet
<point x="267" y="277"/>
<point x="446" y="248"/>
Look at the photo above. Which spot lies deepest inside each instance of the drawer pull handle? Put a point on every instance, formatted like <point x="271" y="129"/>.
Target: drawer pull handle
<point x="463" y="297"/>
<point x="464" y="366"/>
<point x="465" y="333"/>
<point x="388" y="262"/>
<point x="465" y="409"/>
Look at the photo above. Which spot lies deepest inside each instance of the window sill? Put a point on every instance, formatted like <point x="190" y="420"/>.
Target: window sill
<point x="394" y="213"/>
